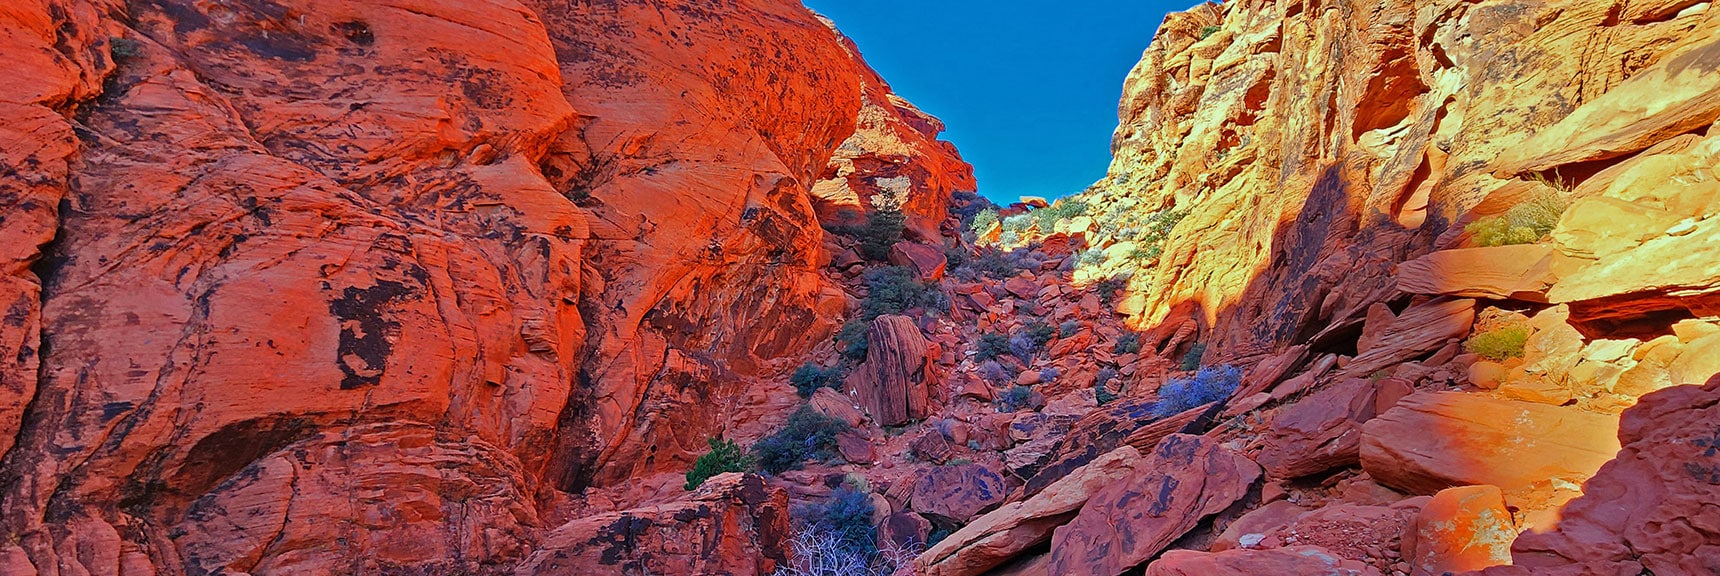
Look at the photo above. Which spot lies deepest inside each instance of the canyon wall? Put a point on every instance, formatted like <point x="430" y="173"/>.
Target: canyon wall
<point x="332" y="286"/>
<point x="1313" y="146"/>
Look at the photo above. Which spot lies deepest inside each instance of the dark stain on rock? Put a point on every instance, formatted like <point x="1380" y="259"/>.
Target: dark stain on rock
<point x="366" y="332"/>
<point x="620" y="538"/>
<point x="1163" y="500"/>
<point x="356" y="31"/>
<point x="1704" y="60"/>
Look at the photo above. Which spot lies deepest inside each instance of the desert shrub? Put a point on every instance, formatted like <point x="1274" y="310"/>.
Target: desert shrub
<point x="851" y="339"/>
<point x="992" y="371"/>
<point x="1206" y="31"/>
<point x="1039" y="332"/>
<point x="884" y="226"/>
<point x="1209" y="385"/>
<point x="1049" y="374"/>
<point x="725" y="456"/>
<point x="847" y="515"/>
<point x="1500" y="344"/>
<point x="892" y="289"/>
<point x="809" y="377"/>
<point x="1015" y="399"/>
<point x="1018" y="223"/>
<point x="1109" y="288"/>
<point x="1090" y="257"/>
<point x="988" y="262"/>
<point x="889" y="290"/>
<point x="1068" y="328"/>
<point x="1191" y="360"/>
<point x="1025" y="260"/>
<point x="820" y="553"/>
<point x="807" y="434"/>
<point x="1102" y="386"/>
<point x="1129" y="343"/>
<point x="955" y="258"/>
<point x="1009" y="238"/>
<point x="124" y="49"/>
<point x="991" y="345"/>
<point x="983" y="221"/>
<point x="1023" y="346"/>
<point x="1061" y="210"/>
<point x="1524" y="223"/>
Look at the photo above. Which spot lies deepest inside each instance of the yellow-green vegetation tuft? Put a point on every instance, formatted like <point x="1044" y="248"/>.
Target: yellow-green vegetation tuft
<point x="1500" y="344"/>
<point x="1524" y="223"/>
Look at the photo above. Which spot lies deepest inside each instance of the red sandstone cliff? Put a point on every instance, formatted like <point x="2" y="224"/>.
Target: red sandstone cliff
<point x="325" y="286"/>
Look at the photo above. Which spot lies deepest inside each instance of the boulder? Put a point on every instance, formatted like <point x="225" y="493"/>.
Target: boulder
<point x="1260" y="527"/>
<point x="1290" y="561"/>
<point x="893" y="384"/>
<point x="926" y="261"/>
<point x="1652" y="509"/>
<point x="931" y="446"/>
<point x="1186" y="479"/>
<point x="855" y="448"/>
<point x="733" y="524"/>
<point x="1000" y="535"/>
<point x="1459" y="530"/>
<point x="1392" y="339"/>
<point x="1021" y="287"/>
<point x="905" y="530"/>
<point x="1436" y="440"/>
<point x="958" y="493"/>
<point x="1521" y="272"/>
<point x="833" y="403"/>
<point x="1319" y="432"/>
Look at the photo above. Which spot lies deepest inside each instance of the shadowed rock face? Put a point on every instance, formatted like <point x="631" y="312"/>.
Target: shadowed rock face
<point x="302" y="286"/>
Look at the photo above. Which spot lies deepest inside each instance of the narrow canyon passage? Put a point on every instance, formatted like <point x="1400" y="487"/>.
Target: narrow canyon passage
<point x="683" y="287"/>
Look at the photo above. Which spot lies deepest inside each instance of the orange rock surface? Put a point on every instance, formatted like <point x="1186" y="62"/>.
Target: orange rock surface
<point x="325" y="286"/>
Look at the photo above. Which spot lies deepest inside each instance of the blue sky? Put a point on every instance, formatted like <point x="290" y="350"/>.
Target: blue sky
<point x="1028" y="89"/>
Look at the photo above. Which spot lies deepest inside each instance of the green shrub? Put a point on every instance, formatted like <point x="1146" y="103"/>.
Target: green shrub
<point x="851" y="339"/>
<point x="1191" y="360"/>
<point x="724" y="456"/>
<point x="1127" y="344"/>
<point x="1102" y="386"/>
<point x="1018" y="223"/>
<point x="958" y="462"/>
<point x="1068" y="328"/>
<point x="1039" y="332"/>
<point x="809" y="377"/>
<point x="1091" y="257"/>
<point x="1500" y="344"/>
<point x="983" y="221"/>
<point x="1109" y="288"/>
<point x="807" y="434"/>
<point x="1061" y="210"/>
<point x="1524" y="223"/>
<point x="991" y="345"/>
<point x="955" y="258"/>
<point x="893" y="289"/>
<point x="883" y="229"/>
<point x="889" y="290"/>
<point x="1206" y="31"/>
<point x="124" y="49"/>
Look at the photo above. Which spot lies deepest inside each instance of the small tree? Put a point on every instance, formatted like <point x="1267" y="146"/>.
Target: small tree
<point x="725" y="456"/>
<point x="884" y="225"/>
